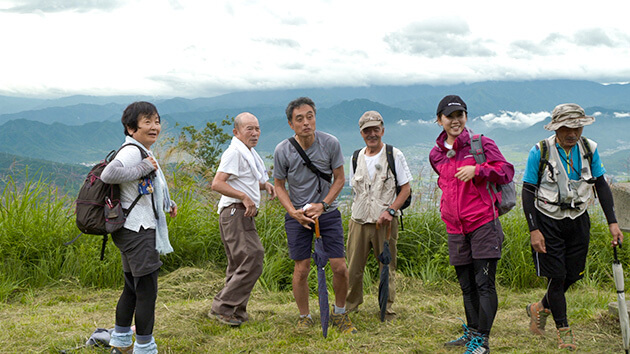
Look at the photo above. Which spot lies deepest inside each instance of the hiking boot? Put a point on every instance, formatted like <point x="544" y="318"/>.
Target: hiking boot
<point x="537" y="318"/>
<point x="464" y="339"/>
<point x="125" y="350"/>
<point x="228" y="320"/>
<point x="304" y="323"/>
<point x="565" y="339"/>
<point x="342" y="322"/>
<point x="478" y="344"/>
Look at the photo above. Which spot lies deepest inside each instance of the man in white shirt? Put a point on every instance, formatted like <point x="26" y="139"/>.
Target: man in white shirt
<point x="375" y="207"/>
<point x="240" y="178"/>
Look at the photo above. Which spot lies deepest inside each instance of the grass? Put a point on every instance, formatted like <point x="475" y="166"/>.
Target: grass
<point x="48" y="320"/>
<point x="53" y="297"/>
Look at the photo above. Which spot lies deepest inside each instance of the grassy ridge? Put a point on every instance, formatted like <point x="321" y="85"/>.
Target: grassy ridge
<point x="35" y="220"/>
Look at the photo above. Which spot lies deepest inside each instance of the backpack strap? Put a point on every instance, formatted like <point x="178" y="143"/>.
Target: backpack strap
<point x="391" y="163"/>
<point x="355" y="156"/>
<point x="476" y="148"/>
<point x="308" y="163"/>
<point x="544" y="159"/>
<point x="587" y="149"/>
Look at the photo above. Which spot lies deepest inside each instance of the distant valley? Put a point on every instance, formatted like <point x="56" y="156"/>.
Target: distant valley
<point x="82" y="129"/>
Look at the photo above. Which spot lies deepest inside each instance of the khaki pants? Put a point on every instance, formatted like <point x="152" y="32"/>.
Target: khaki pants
<point x="362" y="238"/>
<point x="245" y="261"/>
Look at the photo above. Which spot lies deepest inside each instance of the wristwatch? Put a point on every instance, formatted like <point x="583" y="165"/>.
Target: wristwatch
<point x="391" y="211"/>
<point x="326" y="205"/>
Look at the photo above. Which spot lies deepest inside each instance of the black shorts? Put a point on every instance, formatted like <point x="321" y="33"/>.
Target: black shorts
<point x="567" y="242"/>
<point x="137" y="250"/>
<point x="485" y="242"/>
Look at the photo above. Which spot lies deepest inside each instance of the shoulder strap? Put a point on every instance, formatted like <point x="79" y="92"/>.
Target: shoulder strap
<point x="544" y="158"/>
<point x="587" y="149"/>
<point x="143" y="155"/>
<point x="391" y="162"/>
<point x="355" y="156"/>
<point x="476" y="148"/>
<point x="307" y="161"/>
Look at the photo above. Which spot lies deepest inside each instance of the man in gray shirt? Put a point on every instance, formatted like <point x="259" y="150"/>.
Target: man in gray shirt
<point x="307" y="187"/>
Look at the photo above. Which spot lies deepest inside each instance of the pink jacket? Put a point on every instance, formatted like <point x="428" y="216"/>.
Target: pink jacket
<point x="465" y="206"/>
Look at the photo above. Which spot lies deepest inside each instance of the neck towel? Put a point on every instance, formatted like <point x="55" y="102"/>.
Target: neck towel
<point x="253" y="159"/>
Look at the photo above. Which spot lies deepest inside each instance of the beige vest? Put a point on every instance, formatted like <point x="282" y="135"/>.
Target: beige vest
<point x="558" y="196"/>
<point x="372" y="196"/>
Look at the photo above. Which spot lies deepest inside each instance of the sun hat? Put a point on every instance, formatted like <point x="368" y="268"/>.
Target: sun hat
<point x="370" y="119"/>
<point x="450" y="104"/>
<point x="568" y="115"/>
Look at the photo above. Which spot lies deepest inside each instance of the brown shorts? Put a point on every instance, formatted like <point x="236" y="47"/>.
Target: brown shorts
<point x="137" y="250"/>
<point x="483" y="243"/>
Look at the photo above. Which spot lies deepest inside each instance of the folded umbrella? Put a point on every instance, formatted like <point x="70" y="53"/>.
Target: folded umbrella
<point x="320" y="258"/>
<point x="621" y="299"/>
<point x="383" y="286"/>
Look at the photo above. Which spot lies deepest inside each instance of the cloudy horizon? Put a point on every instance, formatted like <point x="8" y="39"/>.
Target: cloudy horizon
<point x="190" y="48"/>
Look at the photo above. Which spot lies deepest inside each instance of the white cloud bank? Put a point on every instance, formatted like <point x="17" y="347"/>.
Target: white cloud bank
<point x="513" y="120"/>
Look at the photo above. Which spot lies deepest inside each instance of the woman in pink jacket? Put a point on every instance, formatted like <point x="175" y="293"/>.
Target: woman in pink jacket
<point x="467" y="207"/>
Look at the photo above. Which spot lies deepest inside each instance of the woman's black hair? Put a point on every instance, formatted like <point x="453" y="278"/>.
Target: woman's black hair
<point x="134" y="111"/>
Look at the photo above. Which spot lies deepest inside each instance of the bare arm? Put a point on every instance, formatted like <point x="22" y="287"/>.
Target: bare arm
<point x="405" y="191"/>
<point x="269" y="188"/>
<point x="219" y="184"/>
<point x="333" y="193"/>
<point x="283" y="197"/>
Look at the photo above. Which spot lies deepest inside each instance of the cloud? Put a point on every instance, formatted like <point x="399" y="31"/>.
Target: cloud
<point x="513" y="119"/>
<point x="51" y="6"/>
<point x="558" y="44"/>
<point x="403" y="122"/>
<point x="280" y="42"/>
<point x="420" y="121"/>
<point x="435" y="38"/>
<point x="622" y="115"/>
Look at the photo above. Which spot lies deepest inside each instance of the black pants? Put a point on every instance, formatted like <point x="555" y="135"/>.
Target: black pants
<point x="567" y="242"/>
<point x="138" y="296"/>
<point x="477" y="281"/>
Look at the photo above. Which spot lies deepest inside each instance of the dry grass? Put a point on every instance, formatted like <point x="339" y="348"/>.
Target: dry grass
<point x="50" y="320"/>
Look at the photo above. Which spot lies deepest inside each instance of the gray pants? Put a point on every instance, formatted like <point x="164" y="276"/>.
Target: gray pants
<point x="245" y="261"/>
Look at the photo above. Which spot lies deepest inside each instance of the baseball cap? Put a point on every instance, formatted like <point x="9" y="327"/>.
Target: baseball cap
<point x="450" y="104"/>
<point x="370" y="119"/>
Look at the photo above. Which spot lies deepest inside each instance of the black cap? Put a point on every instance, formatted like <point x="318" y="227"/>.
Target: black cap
<point x="450" y="104"/>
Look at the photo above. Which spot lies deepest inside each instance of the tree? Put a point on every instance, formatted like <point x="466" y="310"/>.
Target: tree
<point x="205" y="146"/>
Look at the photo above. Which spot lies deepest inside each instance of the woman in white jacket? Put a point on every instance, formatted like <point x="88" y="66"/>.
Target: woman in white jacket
<point x="144" y="235"/>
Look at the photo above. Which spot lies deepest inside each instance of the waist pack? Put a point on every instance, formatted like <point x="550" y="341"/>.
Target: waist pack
<point x="98" y="209"/>
<point x="508" y="191"/>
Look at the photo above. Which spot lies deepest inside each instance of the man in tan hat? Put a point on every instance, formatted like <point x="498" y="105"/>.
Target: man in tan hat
<point x="375" y="206"/>
<point x="558" y="185"/>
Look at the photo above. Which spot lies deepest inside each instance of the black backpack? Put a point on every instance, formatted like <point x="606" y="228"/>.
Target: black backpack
<point x="90" y="212"/>
<point x="391" y="164"/>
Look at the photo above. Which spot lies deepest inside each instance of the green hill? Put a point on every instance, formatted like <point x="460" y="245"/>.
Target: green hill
<point x="67" y="177"/>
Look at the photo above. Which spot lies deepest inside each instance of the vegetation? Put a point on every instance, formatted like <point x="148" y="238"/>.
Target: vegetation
<point x="65" y="292"/>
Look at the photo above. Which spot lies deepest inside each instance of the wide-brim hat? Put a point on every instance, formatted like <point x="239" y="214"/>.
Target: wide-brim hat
<point x="568" y="115"/>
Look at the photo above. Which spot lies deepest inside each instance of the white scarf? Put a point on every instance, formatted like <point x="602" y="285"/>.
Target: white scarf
<point x="162" y="198"/>
<point x="253" y="159"/>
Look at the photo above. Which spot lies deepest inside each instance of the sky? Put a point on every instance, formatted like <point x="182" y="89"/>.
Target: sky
<point x="187" y="48"/>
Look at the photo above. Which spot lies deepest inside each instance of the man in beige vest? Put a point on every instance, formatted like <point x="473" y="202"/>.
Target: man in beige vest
<point x="375" y="203"/>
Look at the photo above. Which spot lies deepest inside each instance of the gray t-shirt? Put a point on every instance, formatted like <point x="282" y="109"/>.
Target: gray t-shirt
<point x="325" y="154"/>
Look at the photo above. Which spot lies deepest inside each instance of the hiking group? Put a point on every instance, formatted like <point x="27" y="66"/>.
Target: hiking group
<point x="562" y="175"/>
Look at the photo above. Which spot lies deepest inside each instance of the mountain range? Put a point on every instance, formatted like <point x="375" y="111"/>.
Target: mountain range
<point x="83" y="129"/>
